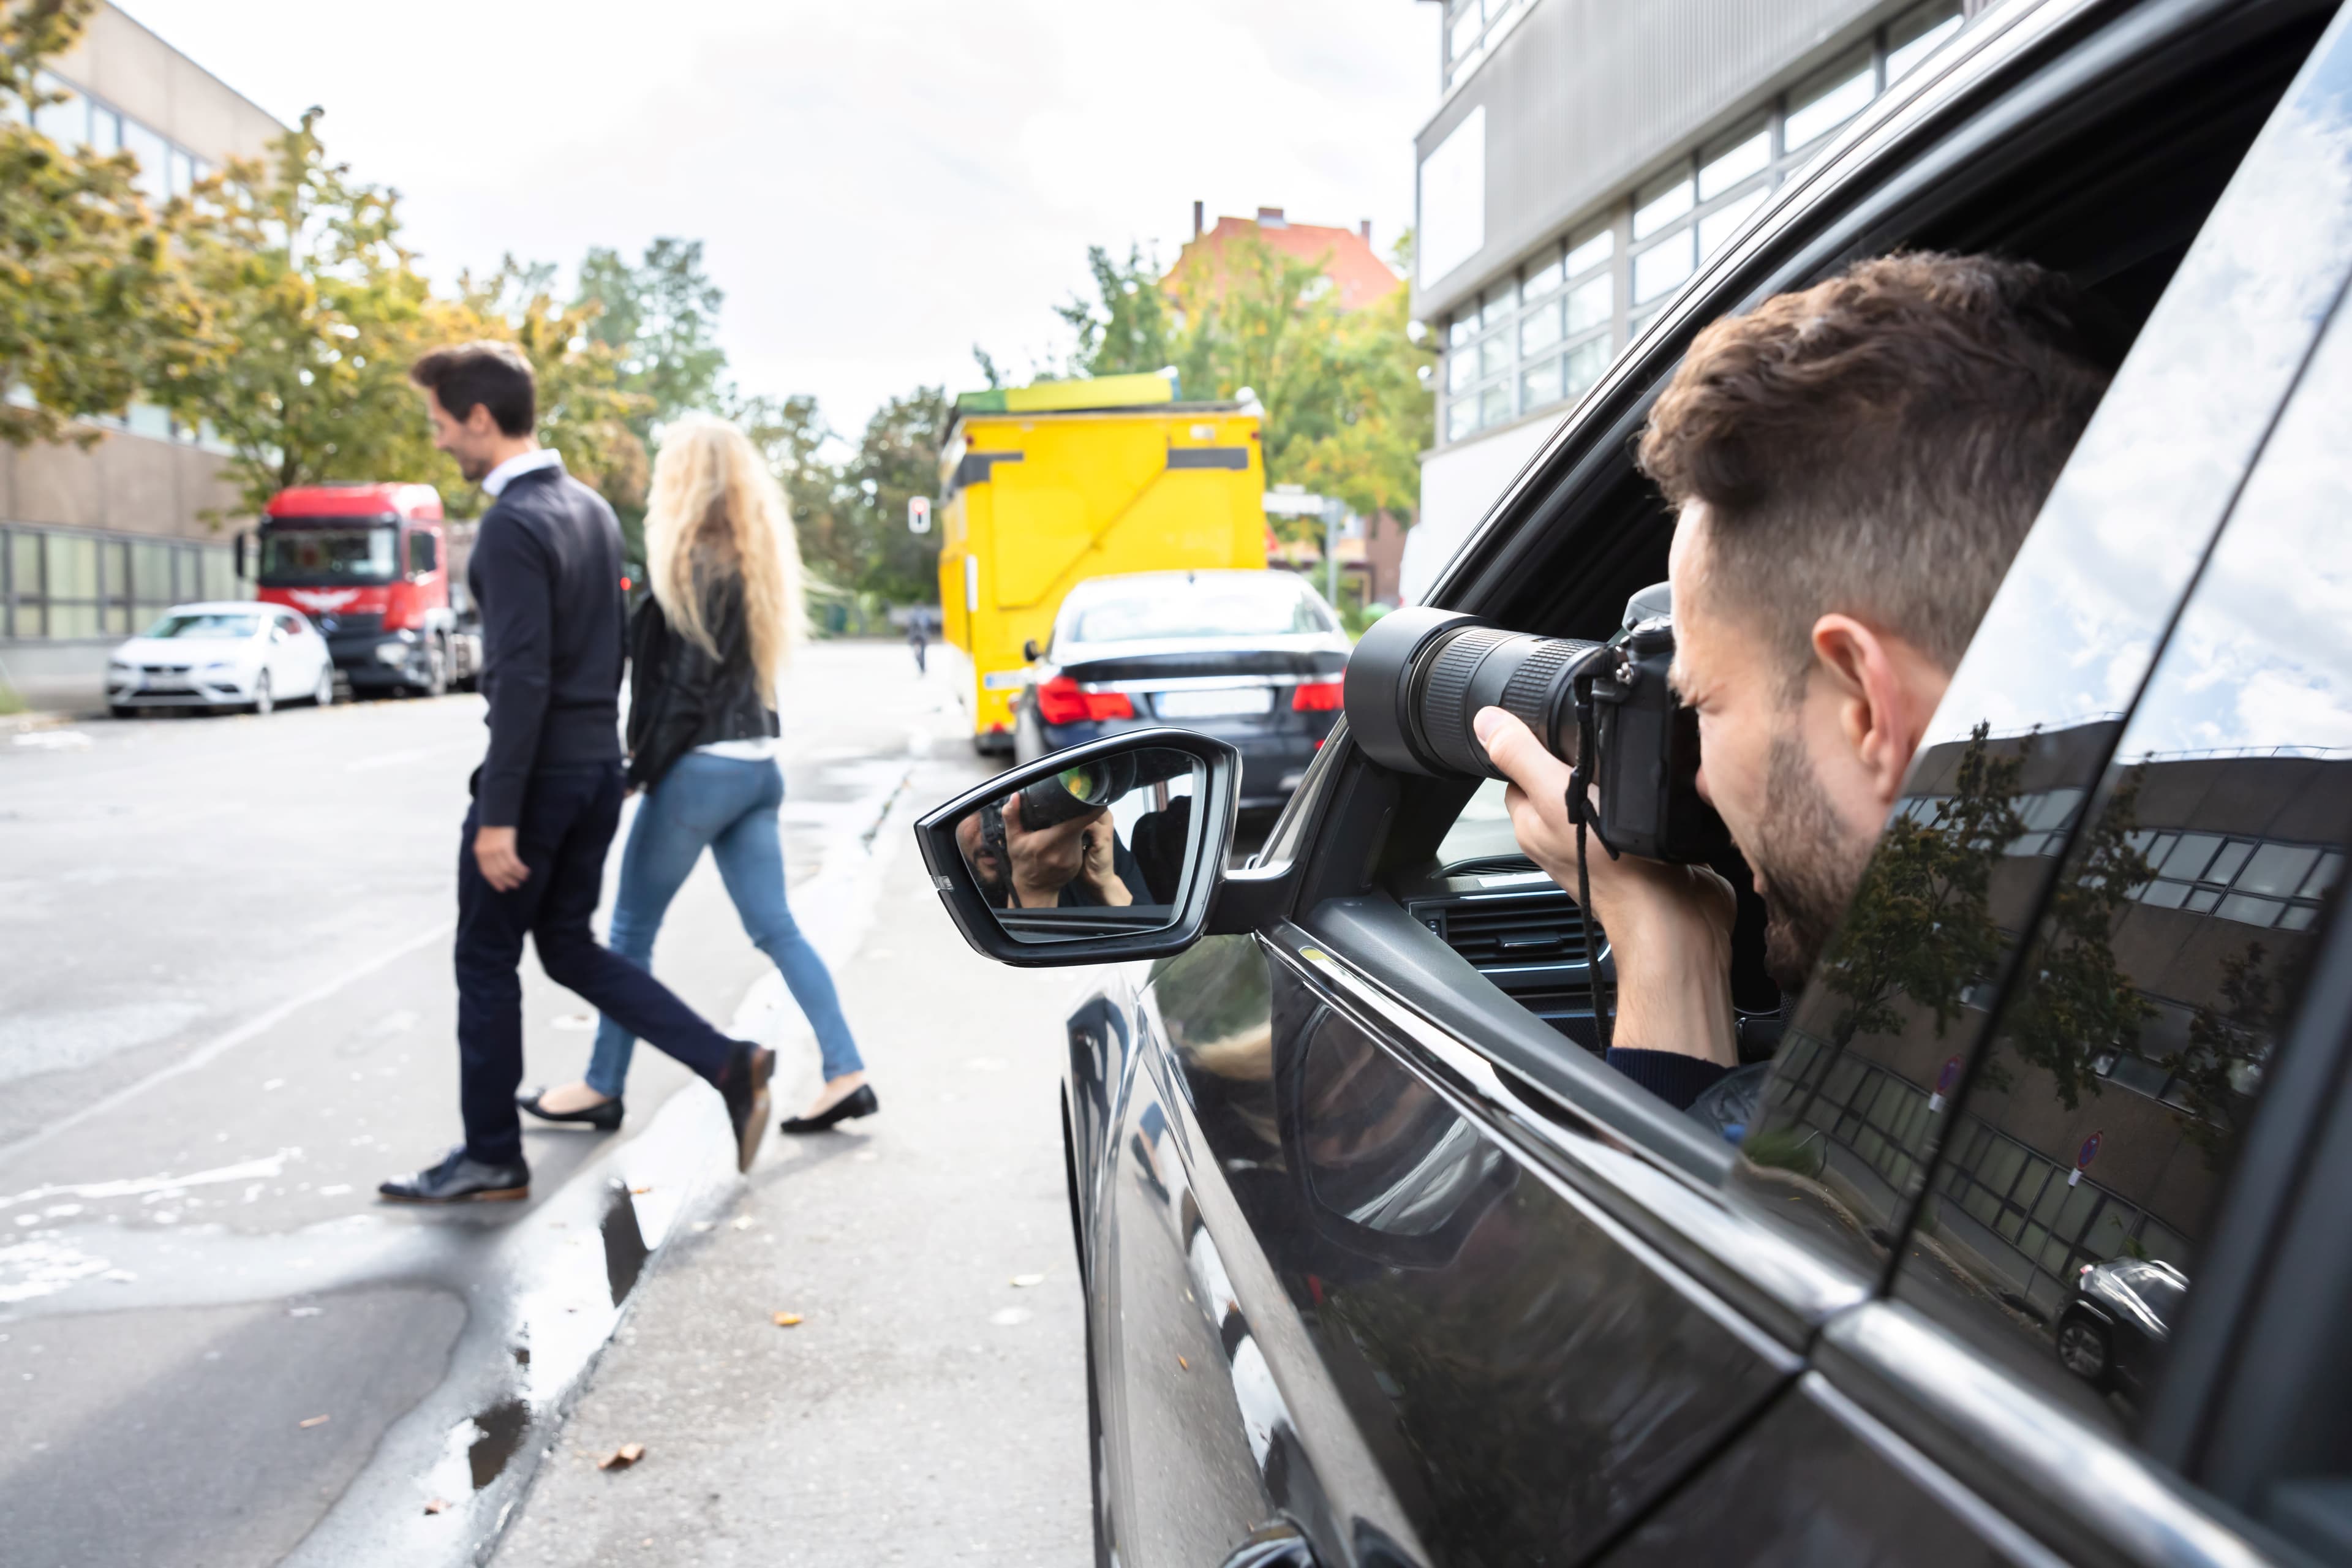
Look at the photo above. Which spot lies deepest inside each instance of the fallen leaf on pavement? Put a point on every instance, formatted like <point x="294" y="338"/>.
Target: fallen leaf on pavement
<point x="1182" y="1362"/>
<point x="622" y="1458"/>
<point x="318" y="1421"/>
<point x="437" y="1505"/>
<point x="1025" y="1280"/>
<point x="641" y="1191"/>
<point x="787" y="1320"/>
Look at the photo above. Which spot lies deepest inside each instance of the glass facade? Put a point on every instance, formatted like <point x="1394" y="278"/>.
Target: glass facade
<point x="1537" y="338"/>
<point x="1470" y="25"/>
<point x="60" y="585"/>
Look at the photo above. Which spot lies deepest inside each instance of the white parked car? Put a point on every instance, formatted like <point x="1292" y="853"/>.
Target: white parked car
<point x="234" y="653"/>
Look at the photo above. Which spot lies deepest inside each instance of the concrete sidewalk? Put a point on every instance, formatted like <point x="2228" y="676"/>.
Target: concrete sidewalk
<point x="929" y="1406"/>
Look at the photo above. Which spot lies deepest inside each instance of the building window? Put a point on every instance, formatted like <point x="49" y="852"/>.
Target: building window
<point x="1470" y="25"/>
<point x="1543" y="334"/>
<point x="57" y="583"/>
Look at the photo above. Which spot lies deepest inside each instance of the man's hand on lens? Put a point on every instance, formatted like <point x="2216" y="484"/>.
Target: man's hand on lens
<point x="494" y="852"/>
<point x="1101" y="870"/>
<point x="1046" y="860"/>
<point x="1669" y="927"/>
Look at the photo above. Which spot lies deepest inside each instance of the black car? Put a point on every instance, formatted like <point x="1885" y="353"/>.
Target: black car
<point x="2113" y="1332"/>
<point x="1384" y="1266"/>
<point x="1252" y="658"/>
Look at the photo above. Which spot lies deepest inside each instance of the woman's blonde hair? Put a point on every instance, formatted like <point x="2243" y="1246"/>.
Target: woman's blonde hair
<point x="716" y="509"/>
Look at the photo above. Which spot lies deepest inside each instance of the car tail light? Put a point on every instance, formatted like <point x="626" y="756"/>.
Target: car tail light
<point x="1315" y="697"/>
<point x="1059" y="702"/>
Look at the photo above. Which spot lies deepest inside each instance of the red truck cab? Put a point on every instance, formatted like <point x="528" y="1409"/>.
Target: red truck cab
<point x="370" y="564"/>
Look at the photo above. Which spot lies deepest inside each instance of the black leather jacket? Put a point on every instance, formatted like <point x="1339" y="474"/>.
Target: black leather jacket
<point x="680" y="696"/>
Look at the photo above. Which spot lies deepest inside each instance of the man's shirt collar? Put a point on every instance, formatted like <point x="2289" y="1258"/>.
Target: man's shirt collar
<point x="531" y="462"/>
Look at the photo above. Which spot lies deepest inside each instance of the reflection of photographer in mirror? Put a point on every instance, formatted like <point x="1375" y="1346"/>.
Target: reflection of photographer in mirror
<point x="1853" y="469"/>
<point x="1076" y="862"/>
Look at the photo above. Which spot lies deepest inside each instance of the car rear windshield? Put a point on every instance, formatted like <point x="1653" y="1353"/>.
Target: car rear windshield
<point x="326" y="554"/>
<point x="1198" y="609"/>
<point x="227" y="625"/>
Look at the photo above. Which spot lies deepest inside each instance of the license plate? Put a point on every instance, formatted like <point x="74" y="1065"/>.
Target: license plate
<point x="166" y="683"/>
<point x="1218" y="704"/>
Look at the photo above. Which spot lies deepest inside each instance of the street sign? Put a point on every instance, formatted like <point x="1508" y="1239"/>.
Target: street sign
<point x="2083" y="1157"/>
<point x="1944" y="1082"/>
<point x="918" y="514"/>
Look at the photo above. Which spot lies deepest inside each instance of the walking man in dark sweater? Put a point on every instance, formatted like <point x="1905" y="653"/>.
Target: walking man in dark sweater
<point x="546" y="574"/>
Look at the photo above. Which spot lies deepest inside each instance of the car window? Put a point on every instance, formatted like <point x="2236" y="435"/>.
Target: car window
<point x="2085" y="1162"/>
<point x="1218" y="608"/>
<point x="1864" y="1088"/>
<point x="209" y="625"/>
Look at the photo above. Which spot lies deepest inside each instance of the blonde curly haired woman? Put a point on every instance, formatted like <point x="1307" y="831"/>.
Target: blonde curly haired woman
<point x="704" y="651"/>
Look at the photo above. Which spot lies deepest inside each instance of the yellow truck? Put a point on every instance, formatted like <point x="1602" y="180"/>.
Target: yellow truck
<point x="1045" y="486"/>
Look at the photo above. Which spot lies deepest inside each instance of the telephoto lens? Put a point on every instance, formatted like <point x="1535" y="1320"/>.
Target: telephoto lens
<point x="1419" y="674"/>
<point x="1074" y="791"/>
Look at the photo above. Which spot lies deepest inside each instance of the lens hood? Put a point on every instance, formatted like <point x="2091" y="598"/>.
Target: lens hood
<point x="1377" y="690"/>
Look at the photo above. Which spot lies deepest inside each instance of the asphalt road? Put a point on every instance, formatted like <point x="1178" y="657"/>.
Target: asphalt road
<point x="227" y="1013"/>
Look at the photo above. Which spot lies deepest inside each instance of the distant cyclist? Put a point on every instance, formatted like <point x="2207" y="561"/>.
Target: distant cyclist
<point x="918" y="636"/>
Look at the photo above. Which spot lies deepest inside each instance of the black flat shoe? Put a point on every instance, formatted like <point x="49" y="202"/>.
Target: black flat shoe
<point x="604" y="1118"/>
<point x="460" y="1179"/>
<point x="744" y="1084"/>
<point x="858" y="1101"/>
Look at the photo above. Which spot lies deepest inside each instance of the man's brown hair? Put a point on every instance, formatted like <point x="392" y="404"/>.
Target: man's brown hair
<point x="1877" y="444"/>
<point x="465" y="376"/>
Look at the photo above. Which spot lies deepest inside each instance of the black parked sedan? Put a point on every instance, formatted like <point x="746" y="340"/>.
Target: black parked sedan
<point x="1384" y="1266"/>
<point x="1252" y="658"/>
<point x="2113" y="1332"/>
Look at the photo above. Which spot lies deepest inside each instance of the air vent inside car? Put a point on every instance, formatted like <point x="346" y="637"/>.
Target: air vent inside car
<point x="1531" y="943"/>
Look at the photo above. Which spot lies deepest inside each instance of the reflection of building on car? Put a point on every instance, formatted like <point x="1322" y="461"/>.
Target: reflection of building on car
<point x="1046" y="486"/>
<point x="2090" y="1008"/>
<point x="2113" y="1331"/>
<point x="233" y="654"/>
<point x="370" y="564"/>
<point x="1252" y="658"/>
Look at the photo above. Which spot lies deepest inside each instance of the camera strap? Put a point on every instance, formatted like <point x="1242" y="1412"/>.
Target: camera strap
<point x="1581" y="812"/>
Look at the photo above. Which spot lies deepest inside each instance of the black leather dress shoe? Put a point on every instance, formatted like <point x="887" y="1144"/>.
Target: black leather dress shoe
<point x="604" y="1118"/>
<point x="858" y="1101"/>
<point x="744" y="1084"/>
<point x="460" y="1179"/>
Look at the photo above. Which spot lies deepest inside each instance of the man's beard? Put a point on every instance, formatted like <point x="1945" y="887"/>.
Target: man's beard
<point x="1810" y="870"/>
<point x="474" y="470"/>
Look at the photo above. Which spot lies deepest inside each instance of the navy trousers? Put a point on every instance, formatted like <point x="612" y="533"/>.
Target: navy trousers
<point x="568" y="816"/>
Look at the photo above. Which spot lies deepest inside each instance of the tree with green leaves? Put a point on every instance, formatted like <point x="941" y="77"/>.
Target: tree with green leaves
<point x="1347" y="407"/>
<point x="1920" y="929"/>
<point x="2229" y="1049"/>
<point x="659" y="317"/>
<point x="897" y="458"/>
<point x="97" y="307"/>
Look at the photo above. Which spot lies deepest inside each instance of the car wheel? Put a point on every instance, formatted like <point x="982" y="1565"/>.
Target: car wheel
<point x="263" y="702"/>
<point x="1028" y="735"/>
<point x="122" y="710"/>
<point x="323" y="695"/>
<point x="2084" y="1349"/>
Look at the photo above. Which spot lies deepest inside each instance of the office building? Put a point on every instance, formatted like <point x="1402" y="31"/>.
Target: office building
<point x="94" y="540"/>
<point x="1584" y="157"/>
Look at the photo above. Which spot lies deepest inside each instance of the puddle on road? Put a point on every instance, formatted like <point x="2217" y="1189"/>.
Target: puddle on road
<point x="624" y="1245"/>
<point x="499" y="1436"/>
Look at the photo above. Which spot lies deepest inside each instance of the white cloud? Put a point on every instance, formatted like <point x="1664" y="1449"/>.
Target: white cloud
<point x="879" y="185"/>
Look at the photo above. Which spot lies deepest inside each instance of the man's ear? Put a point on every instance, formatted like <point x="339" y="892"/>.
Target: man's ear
<point x="479" y="421"/>
<point x="1885" y="690"/>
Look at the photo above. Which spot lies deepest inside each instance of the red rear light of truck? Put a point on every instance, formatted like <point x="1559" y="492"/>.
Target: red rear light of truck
<point x="1059" y="702"/>
<point x="1316" y="696"/>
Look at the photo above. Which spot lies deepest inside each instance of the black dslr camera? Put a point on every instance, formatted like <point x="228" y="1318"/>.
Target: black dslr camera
<point x="1419" y="674"/>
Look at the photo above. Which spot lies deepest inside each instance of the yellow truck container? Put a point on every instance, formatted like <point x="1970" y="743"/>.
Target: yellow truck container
<point x="1046" y="486"/>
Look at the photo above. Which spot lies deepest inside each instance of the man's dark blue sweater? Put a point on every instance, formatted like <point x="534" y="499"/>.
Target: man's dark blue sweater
<point x="546" y="573"/>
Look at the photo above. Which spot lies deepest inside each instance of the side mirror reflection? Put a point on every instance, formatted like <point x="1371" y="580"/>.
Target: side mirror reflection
<point x="1106" y="851"/>
<point x="1093" y="850"/>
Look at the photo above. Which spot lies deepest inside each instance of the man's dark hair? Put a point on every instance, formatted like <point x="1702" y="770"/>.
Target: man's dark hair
<point x="494" y="375"/>
<point x="1877" y="444"/>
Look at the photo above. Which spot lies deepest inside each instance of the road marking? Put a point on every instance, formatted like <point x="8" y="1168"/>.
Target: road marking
<point x="132" y="1186"/>
<point x="212" y="1051"/>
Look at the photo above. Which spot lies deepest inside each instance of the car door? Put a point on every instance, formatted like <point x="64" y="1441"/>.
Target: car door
<point x="2164" y="874"/>
<point x="287" y="660"/>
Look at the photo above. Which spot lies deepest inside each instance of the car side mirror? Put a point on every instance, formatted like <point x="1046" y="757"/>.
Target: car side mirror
<point x="1029" y="650"/>
<point x="1097" y="854"/>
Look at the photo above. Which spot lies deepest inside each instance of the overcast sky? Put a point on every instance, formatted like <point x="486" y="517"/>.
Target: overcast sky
<point x="879" y="184"/>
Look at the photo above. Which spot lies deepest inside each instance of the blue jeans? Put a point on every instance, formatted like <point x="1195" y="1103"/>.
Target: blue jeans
<point x="730" y="804"/>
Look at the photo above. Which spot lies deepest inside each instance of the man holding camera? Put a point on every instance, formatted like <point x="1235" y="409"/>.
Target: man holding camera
<point x="1852" y="469"/>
